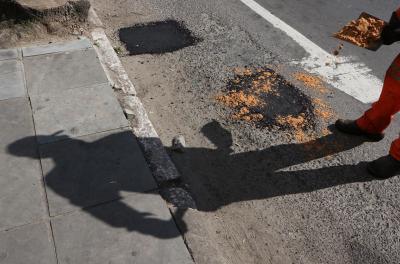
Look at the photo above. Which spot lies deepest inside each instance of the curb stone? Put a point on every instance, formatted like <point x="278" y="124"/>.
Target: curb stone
<point x="161" y="165"/>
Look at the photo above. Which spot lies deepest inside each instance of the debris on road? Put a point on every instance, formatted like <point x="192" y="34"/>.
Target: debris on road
<point x="239" y="98"/>
<point x="323" y="111"/>
<point x="179" y="144"/>
<point x="297" y="124"/>
<point x="265" y="98"/>
<point x="363" y="31"/>
<point x="311" y="81"/>
<point x="336" y="51"/>
<point x="244" y="114"/>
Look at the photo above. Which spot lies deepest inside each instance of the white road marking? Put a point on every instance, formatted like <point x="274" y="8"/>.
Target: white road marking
<point x="347" y="75"/>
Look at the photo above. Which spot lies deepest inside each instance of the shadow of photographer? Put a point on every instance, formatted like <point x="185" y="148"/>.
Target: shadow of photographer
<point x="85" y="174"/>
<point x="230" y="177"/>
<point x="91" y="173"/>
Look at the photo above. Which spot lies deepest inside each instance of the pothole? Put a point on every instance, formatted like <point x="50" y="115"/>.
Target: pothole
<point x="265" y="98"/>
<point x="156" y="37"/>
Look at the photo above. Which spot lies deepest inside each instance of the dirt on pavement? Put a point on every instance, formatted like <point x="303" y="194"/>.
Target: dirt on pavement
<point x="21" y="25"/>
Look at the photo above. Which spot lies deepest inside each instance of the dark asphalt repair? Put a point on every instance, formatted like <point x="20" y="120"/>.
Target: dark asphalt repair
<point x="278" y="98"/>
<point x="157" y="37"/>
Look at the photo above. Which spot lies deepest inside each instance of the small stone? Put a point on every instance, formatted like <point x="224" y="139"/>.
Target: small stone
<point x="129" y="113"/>
<point x="116" y="86"/>
<point x="179" y="144"/>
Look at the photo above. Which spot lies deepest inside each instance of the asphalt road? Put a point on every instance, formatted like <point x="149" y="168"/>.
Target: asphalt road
<point x="263" y="196"/>
<point x="317" y="20"/>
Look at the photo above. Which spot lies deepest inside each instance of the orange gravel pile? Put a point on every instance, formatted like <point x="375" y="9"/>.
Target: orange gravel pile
<point x="297" y="125"/>
<point x="363" y="31"/>
<point x="295" y="122"/>
<point x="243" y="71"/>
<point x="265" y="98"/>
<point x="245" y="114"/>
<point x="324" y="114"/>
<point x="244" y="101"/>
<point x="311" y="81"/>
<point x="322" y="110"/>
<point x="239" y="98"/>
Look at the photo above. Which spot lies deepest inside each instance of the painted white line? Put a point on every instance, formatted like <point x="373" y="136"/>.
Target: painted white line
<point x="347" y="75"/>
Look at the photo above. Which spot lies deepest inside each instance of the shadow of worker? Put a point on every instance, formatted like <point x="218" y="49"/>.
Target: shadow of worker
<point x="219" y="177"/>
<point x="102" y="171"/>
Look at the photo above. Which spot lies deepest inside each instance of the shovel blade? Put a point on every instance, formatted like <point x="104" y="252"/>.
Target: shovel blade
<point x="373" y="46"/>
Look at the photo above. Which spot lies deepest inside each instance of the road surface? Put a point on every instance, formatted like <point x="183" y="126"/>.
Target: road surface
<point x="264" y="196"/>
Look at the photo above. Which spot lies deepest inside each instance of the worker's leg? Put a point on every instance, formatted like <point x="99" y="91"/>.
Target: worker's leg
<point x="378" y="118"/>
<point x="395" y="149"/>
<point x="389" y="165"/>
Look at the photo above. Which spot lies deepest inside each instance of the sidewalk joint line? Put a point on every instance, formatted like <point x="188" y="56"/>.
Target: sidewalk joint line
<point x="43" y="184"/>
<point x="55" y="53"/>
<point x="17" y="227"/>
<point x="127" y="128"/>
<point x="42" y="181"/>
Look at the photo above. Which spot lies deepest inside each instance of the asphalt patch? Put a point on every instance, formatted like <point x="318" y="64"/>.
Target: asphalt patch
<point x="157" y="37"/>
<point x="267" y="99"/>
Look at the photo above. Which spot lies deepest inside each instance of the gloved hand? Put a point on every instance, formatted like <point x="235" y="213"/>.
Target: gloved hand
<point x="391" y="32"/>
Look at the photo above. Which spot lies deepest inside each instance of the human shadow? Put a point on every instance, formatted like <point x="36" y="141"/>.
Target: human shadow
<point x="219" y="177"/>
<point x="91" y="173"/>
<point x="85" y="174"/>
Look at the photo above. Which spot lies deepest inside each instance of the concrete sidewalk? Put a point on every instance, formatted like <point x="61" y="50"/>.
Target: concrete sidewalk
<point x="74" y="186"/>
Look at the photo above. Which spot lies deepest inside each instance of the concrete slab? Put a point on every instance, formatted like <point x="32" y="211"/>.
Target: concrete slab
<point x="20" y="173"/>
<point x="30" y="244"/>
<point x="138" y="229"/>
<point x="77" y="112"/>
<point x="9" y="66"/>
<point x="9" y="54"/>
<point x="12" y="85"/>
<point x="56" y="47"/>
<point x="93" y="169"/>
<point x="54" y="73"/>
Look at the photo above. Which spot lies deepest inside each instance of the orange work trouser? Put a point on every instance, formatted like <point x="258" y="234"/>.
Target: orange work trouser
<point x="379" y="116"/>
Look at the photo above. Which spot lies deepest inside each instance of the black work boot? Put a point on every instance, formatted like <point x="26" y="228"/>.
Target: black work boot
<point x="384" y="167"/>
<point x="351" y="127"/>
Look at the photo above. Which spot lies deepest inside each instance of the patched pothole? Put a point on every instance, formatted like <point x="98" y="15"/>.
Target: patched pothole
<point x="156" y="37"/>
<point x="265" y="98"/>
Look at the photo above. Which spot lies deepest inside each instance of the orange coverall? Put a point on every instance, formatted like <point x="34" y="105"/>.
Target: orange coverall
<point x="379" y="116"/>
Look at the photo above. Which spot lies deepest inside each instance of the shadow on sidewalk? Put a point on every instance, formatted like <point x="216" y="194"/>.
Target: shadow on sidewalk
<point x="96" y="173"/>
<point x="217" y="177"/>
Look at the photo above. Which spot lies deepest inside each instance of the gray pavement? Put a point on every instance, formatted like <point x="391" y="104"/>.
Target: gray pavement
<point x="74" y="185"/>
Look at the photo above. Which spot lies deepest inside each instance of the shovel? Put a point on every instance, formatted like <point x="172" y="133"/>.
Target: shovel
<point x="374" y="45"/>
